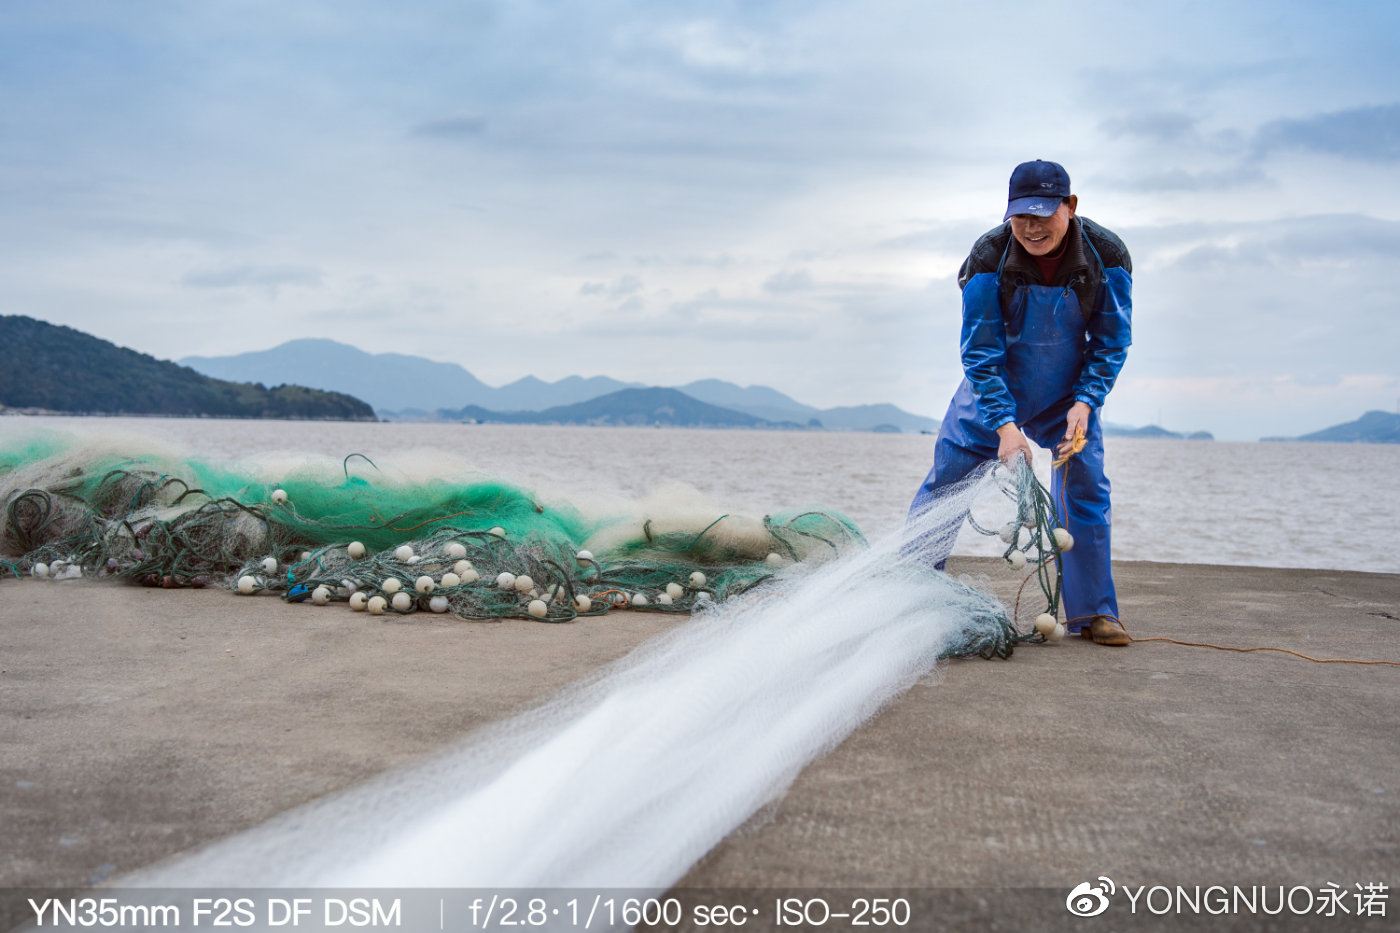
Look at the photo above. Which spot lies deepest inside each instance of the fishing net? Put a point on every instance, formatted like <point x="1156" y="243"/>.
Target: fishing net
<point x="798" y="630"/>
<point x="1034" y="539"/>
<point x="348" y="532"/>
<point x="626" y="778"/>
<point x="478" y="547"/>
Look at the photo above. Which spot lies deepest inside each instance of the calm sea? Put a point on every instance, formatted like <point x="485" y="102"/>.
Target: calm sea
<point x="1331" y="506"/>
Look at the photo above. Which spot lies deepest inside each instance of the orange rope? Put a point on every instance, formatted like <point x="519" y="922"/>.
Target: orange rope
<point x="1202" y="644"/>
<point x="625" y="601"/>
<point x="1016" y="610"/>
<point x="1076" y="445"/>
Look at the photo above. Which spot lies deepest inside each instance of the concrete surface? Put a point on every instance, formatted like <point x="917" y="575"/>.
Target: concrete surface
<point x="137" y="723"/>
<point x="1154" y="764"/>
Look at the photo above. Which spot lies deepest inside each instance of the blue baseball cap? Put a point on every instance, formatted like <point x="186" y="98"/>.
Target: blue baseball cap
<point x="1037" y="188"/>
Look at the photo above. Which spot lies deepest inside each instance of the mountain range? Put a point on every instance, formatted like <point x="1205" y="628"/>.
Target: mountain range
<point x="65" y="370"/>
<point x="412" y="388"/>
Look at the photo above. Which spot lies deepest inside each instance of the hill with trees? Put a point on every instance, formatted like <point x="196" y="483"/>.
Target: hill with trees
<point x="59" y="369"/>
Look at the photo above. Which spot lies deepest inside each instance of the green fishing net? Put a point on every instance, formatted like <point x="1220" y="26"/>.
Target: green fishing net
<point x="480" y="548"/>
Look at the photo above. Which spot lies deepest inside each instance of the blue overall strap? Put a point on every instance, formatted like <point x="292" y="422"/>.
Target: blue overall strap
<point x="1109" y="334"/>
<point x="983" y="347"/>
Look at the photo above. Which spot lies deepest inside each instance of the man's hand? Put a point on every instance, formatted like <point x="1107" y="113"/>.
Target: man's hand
<point x="1013" y="442"/>
<point x="1076" y="422"/>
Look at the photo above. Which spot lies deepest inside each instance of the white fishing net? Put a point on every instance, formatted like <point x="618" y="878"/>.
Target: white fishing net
<point x="626" y="779"/>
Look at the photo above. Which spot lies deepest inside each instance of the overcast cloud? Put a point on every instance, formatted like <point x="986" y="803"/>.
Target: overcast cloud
<point x="775" y="193"/>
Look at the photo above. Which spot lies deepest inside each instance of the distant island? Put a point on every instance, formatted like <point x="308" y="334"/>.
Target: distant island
<point x="56" y="369"/>
<point x="1152" y="430"/>
<point x="1374" y="427"/>
<point x="627" y="407"/>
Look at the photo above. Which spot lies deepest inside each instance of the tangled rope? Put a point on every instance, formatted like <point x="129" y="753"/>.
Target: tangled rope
<point x="1035" y="539"/>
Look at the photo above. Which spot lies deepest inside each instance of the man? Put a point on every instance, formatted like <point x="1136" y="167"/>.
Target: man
<point x="1047" y="308"/>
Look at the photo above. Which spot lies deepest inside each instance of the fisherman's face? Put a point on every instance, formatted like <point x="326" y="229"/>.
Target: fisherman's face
<point x="1041" y="236"/>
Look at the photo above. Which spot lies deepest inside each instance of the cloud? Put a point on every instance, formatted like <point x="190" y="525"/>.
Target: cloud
<point x="1167" y="151"/>
<point x="1182" y="180"/>
<point x="1305" y="298"/>
<point x="1212" y="257"/>
<point x="1343" y="242"/>
<point x="1317" y="380"/>
<point x="1343" y="239"/>
<point x="711" y="46"/>
<point x="1162" y="127"/>
<point x="704" y="57"/>
<point x="954" y="239"/>
<point x="1163" y="84"/>
<point x="1174" y="156"/>
<point x="739" y="145"/>
<point x="619" y="288"/>
<point x="1366" y="133"/>
<point x="707" y="317"/>
<point x="371" y="314"/>
<point x="797" y="281"/>
<point x="1172" y="153"/>
<point x="717" y="261"/>
<point x="270" y="278"/>
<point x="1248" y="407"/>
<point x="465" y="126"/>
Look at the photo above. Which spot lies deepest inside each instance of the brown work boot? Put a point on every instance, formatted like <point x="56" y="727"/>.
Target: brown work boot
<point x="1106" y="631"/>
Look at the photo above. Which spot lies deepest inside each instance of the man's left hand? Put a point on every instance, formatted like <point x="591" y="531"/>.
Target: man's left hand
<point x="1077" y="420"/>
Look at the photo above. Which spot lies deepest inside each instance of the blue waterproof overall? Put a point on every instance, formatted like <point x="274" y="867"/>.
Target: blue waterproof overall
<point x="1029" y="365"/>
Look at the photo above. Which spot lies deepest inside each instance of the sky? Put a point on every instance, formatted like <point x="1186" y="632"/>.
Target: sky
<point x="768" y="193"/>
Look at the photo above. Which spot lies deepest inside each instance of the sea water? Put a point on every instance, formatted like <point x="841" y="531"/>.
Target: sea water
<point x="1328" y="506"/>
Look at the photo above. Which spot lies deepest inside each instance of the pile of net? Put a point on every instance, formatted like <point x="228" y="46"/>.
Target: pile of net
<point x="478" y="548"/>
<point x="345" y="532"/>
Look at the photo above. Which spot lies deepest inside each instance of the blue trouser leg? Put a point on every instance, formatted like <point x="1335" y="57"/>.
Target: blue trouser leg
<point x="1088" y="570"/>
<point x="1027" y="357"/>
<point x="963" y="445"/>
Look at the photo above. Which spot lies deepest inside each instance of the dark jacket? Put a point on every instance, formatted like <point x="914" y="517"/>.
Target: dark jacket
<point x="1078" y="268"/>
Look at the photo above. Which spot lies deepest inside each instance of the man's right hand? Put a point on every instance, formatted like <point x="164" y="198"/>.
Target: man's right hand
<point x="1013" y="442"/>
